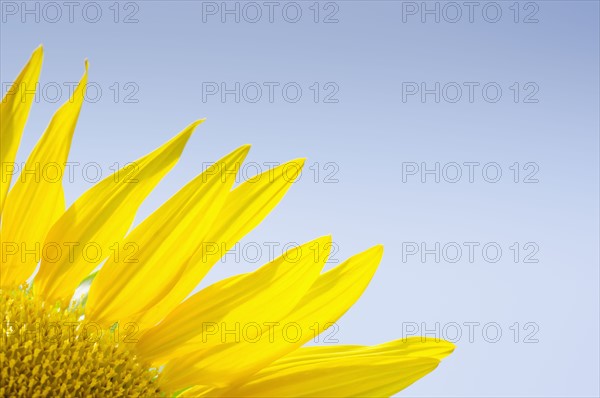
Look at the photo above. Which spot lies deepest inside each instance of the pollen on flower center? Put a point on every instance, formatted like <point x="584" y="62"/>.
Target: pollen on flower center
<point x="49" y="351"/>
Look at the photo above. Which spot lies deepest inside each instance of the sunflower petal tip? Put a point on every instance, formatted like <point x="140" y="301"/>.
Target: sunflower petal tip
<point x="298" y="164"/>
<point x="241" y="154"/>
<point x="325" y="239"/>
<point x="189" y="130"/>
<point x="37" y="57"/>
<point x="450" y="345"/>
<point x="375" y="253"/>
<point x="195" y="124"/>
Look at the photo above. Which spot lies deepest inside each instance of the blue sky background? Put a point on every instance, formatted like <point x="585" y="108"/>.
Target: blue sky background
<point x="362" y="131"/>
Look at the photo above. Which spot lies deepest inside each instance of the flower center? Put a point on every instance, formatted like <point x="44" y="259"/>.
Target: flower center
<point x="47" y="350"/>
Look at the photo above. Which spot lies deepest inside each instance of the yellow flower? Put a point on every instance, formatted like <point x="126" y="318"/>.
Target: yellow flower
<point x="136" y="332"/>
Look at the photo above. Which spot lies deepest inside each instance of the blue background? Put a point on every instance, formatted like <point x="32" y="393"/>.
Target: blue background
<point x="169" y="49"/>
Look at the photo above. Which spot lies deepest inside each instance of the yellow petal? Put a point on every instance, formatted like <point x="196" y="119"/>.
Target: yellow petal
<point x="329" y="297"/>
<point x="419" y="346"/>
<point x="245" y="208"/>
<point x="340" y="288"/>
<point x="13" y="116"/>
<point x="198" y="391"/>
<point x="131" y="282"/>
<point x="345" y="371"/>
<point x="100" y="218"/>
<point x="243" y="302"/>
<point x="37" y="199"/>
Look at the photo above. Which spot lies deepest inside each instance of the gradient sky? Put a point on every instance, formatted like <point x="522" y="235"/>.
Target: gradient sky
<point x="388" y="78"/>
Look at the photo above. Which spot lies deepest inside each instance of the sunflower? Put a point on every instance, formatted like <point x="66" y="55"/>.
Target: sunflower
<point x="138" y="330"/>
